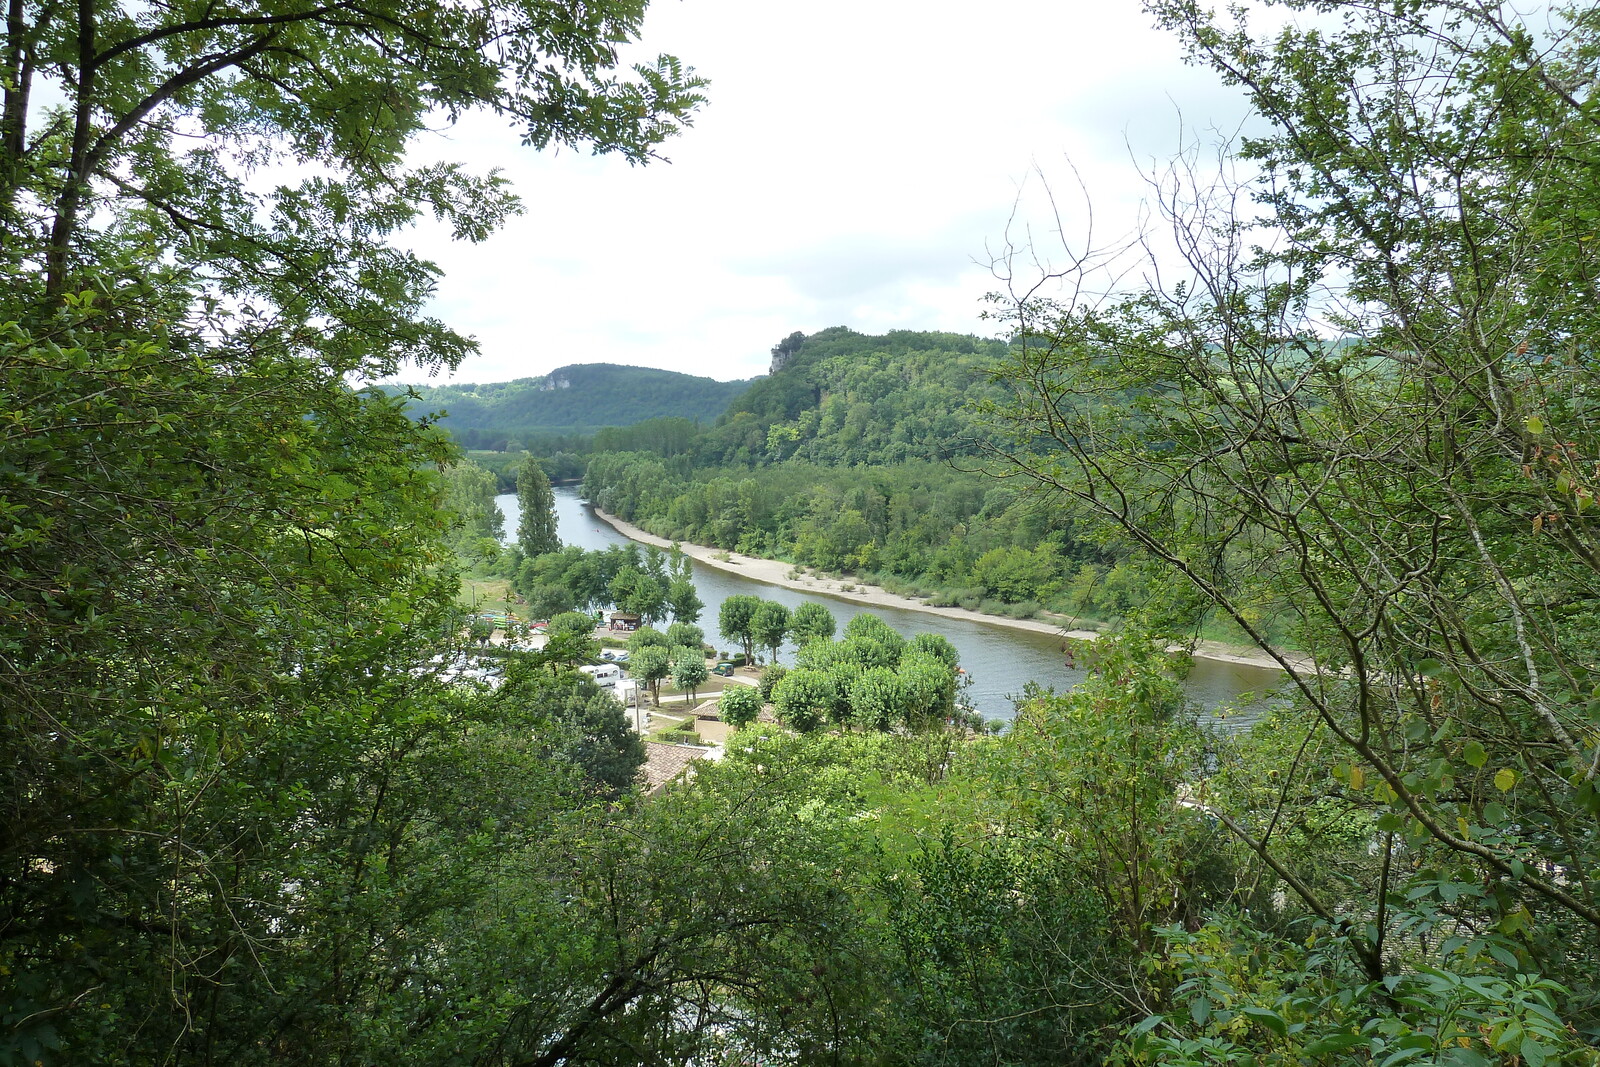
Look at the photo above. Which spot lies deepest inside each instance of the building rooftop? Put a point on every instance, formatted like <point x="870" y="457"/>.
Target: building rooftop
<point x="663" y="763"/>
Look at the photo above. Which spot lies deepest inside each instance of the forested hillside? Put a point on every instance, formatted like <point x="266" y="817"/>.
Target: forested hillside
<point x="841" y="398"/>
<point x="867" y="454"/>
<point x="578" y="399"/>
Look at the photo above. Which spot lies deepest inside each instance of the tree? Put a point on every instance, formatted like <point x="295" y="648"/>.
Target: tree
<point x="936" y="645"/>
<point x="469" y="492"/>
<point x="536" y="530"/>
<point x="683" y="601"/>
<point x="811" y="621"/>
<point x="804" y="699"/>
<point x="179" y="672"/>
<point x="877" y="700"/>
<point x="547" y="601"/>
<point x="651" y="664"/>
<point x="224" y="561"/>
<point x="734" y="619"/>
<point x="867" y="627"/>
<point x="1410" y="500"/>
<point x="646" y="636"/>
<point x="577" y="723"/>
<point x="739" y="705"/>
<point x="348" y="88"/>
<point x="709" y="922"/>
<point x="683" y="633"/>
<point x="769" y="625"/>
<point x="785" y="350"/>
<point x="688" y="669"/>
<point x="569" y="642"/>
<point x="647" y="599"/>
<point x="771" y="675"/>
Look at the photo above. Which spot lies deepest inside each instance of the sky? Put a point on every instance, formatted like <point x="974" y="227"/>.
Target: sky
<point x="858" y="163"/>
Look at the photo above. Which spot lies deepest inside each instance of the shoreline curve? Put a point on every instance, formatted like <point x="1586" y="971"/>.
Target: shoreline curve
<point x="776" y="572"/>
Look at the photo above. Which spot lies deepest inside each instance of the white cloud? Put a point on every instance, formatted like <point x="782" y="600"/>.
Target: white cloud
<point x="855" y="161"/>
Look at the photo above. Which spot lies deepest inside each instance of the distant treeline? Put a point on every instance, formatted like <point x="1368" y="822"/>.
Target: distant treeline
<point x="863" y="454"/>
<point x="562" y="409"/>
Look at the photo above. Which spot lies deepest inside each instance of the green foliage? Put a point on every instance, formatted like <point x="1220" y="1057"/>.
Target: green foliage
<point x="810" y="621"/>
<point x="682" y="600"/>
<point x="849" y="399"/>
<point x="621" y="576"/>
<point x="1242" y="997"/>
<point x="1103" y="766"/>
<point x="651" y="664"/>
<point x="739" y="705"/>
<point x="850" y="436"/>
<point x="577" y="724"/>
<point x="770" y="677"/>
<point x="735" y="619"/>
<point x="469" y="493"/>
<point x="647" y="637"/>
<point x="916" y="523"/>
<point x="877" y="700"/>
<point x="536" y="530"/>
<point x="804" y="698"/>
<point x="872" y="678"/>
<point x="994" y="949"/>
<point x="769" y="626"/>
<point x="631" y="407"/>
<point x="1410" y="501"/>
<point x="688" y="669"/>
<point x="685" y="633"/>
<point x="548" y="601"/>
<point x="218" y="564"/>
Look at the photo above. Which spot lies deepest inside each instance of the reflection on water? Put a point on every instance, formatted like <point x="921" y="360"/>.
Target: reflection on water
<point x="1000" y="661"/>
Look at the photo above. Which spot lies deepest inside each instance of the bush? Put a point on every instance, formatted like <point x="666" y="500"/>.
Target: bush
<point x="771" y="677"/>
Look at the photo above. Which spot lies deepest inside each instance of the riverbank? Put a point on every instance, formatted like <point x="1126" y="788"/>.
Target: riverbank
<point x="777" y="572"/>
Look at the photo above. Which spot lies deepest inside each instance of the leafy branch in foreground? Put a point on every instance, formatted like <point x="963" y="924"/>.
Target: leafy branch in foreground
<point x="1370" y="408"/>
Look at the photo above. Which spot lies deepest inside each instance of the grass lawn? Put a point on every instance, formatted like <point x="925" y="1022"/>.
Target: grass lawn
<point x="489" y="594"/>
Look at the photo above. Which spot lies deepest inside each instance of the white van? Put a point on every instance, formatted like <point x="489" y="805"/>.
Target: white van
<point x="606" y="675"/>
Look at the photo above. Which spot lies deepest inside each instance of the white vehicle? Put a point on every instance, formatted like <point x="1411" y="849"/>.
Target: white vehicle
<point x="606" y="675"/>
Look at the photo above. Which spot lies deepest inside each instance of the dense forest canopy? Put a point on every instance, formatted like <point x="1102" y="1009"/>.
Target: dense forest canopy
<point x="254" y="814"/>
<point x="574" y="400"/>
<point x="867" y="454"/>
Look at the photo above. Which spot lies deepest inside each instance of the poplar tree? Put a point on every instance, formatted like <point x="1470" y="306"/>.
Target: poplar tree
<point x="536" y="529"/>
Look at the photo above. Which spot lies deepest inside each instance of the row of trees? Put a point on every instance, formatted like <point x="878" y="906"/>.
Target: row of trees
<point x="873" y="679"/>
<point x="954" y="536"/>
<point x="755" y="623"/>
<point x="650" y="583"/>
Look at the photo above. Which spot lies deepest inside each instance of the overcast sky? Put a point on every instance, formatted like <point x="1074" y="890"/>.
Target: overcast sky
<point x="857" y="164"/>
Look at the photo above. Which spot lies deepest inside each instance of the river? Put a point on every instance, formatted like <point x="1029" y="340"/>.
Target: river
<point x="999" y="660"/>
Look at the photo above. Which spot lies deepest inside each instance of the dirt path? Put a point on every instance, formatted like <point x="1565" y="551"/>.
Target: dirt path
<point x="777" y="572"/>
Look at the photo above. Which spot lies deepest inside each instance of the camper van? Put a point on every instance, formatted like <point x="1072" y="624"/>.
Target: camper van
<point x="606" y="675"/>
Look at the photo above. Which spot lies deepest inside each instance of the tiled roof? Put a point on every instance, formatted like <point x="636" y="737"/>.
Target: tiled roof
<point x="663" y="763"/>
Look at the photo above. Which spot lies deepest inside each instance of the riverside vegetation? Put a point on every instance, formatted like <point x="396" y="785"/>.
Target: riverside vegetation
<point x="246" y="822"/>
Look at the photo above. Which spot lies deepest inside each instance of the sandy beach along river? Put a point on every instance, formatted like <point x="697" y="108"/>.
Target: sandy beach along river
<point x="787" y="575"/>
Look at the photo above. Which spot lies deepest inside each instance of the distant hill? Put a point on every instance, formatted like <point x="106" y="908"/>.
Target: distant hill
<point x="842" y="398"/>
<point x="581" y="398"/>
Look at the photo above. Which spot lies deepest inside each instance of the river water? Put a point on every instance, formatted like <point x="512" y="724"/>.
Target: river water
<point x="999" y="660"/>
